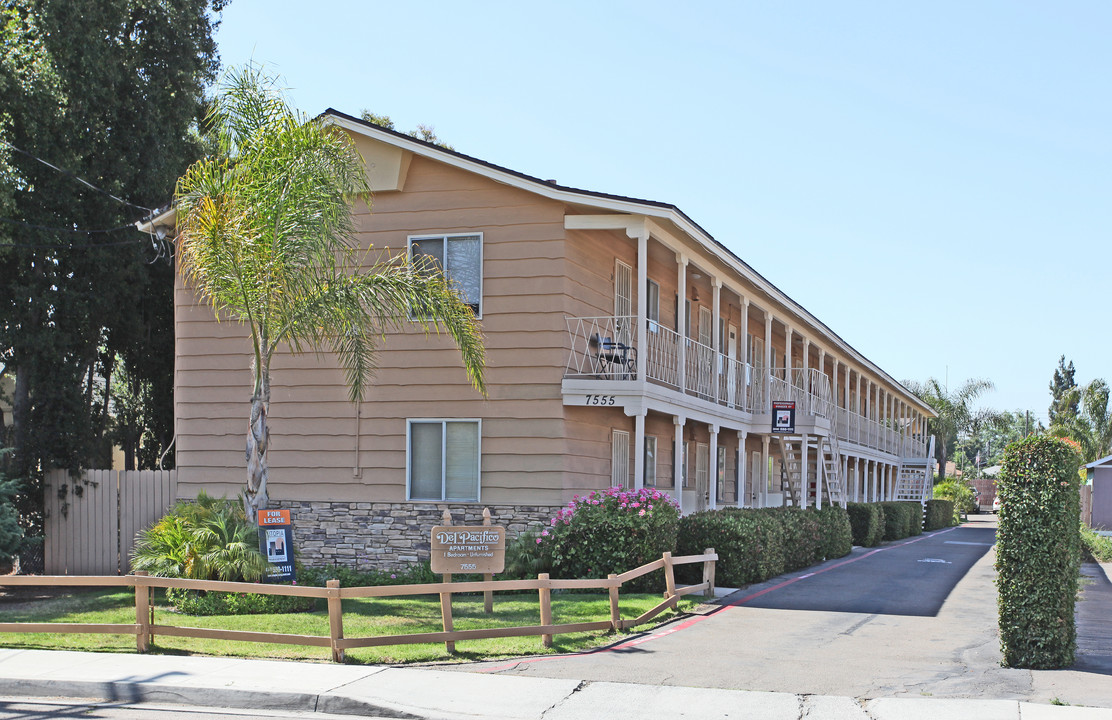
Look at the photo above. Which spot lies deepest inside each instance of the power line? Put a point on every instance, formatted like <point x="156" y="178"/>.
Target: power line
<point x="71" y="246"/>
<point x="75" y="177"/>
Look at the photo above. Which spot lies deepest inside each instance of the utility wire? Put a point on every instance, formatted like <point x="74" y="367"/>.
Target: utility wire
<point x="75" y="177"/>
<point x="71" y="246"/>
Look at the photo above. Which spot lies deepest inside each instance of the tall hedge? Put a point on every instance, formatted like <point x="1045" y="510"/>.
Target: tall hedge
<point x="867" y="523"/>
<point x="940" y="514"/>
<point x="897" y="520"/>
<point x="835" y="533"/>
<point x="1038" y="552"/>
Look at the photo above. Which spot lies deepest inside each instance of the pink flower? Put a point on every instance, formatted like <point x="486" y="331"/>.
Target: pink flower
<point x="538" y="541"/>
<point x="393" y="576"/>
<point x="642" y="512"/>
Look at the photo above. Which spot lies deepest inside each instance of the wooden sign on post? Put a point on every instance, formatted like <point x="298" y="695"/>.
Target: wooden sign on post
<point x="467" y="549"/>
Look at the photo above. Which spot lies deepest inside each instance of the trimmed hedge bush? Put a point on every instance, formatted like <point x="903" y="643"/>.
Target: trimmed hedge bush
<point x="940" y="514"/>
<point x="900" y="520"/>
<point x="612" y="531"/>
<point x="915" y="515"/>
<point x="835" y="533"/>
<point x="756" y="544"/>
<point x="1038" y="553"/>
<point x="867" y="523"/>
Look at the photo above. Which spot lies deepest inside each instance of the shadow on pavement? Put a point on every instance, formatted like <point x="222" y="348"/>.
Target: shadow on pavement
<point x="1094" y="622"/>
<point x="909" y="577"/>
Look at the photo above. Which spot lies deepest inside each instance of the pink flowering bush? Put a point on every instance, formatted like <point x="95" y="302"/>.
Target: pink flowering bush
<point x="611" y="531"/>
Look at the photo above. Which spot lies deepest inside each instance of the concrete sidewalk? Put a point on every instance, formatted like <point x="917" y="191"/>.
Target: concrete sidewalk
<point x="387" y="692"/>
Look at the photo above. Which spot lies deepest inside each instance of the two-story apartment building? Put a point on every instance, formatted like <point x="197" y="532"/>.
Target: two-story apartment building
<point x="625" y="346"/>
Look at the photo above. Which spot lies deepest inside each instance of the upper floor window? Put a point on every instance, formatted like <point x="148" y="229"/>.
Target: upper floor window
<point x="460" y="258"/>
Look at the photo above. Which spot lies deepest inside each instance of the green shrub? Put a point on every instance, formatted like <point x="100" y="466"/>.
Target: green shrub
<point x="1038" y="553"/>
<point x="194" y="602"/>
<point x="801" y="536"/>
<point x="612" y="531"/>
<point x="959" y="493"/>
<point x="867" y="523"/>
<point x="940" y="514"/>
<point x="11" y="534"/>
<point x="897" y="520"/>
<point x="1099" y="547"/>
<point x="749" y="544"/>
<point x="755" y="544"/>
<point x="914" y="517"/>
<point x="835" y="533"/>
<point x="207" y="539"/>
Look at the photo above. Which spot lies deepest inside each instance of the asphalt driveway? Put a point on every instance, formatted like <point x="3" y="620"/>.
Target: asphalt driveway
<point x="915" y="618"/>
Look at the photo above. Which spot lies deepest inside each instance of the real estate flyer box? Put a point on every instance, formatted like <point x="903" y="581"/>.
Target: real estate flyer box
<point x="276" y="544"/>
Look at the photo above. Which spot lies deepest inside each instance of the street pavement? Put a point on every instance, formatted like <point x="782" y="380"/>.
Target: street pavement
<point x="867" y="636"/>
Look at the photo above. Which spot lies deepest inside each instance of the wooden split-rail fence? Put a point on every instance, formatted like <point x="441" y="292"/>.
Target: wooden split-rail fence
<point x="146" y="627"/>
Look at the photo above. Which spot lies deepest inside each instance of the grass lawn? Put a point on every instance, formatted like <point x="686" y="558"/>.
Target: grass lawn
<point x="363" y="617"/>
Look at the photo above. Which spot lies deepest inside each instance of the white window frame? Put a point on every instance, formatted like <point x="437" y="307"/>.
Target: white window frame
<point x="446" y="237"/>
<point x="652" y="305"/>
<point x="409" y="423"/>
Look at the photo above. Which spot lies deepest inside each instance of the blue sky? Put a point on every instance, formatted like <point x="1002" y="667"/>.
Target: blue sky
<point x="933" y="181"/>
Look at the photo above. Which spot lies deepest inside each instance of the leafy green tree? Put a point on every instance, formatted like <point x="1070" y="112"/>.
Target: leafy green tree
<point x="266" y="236"/>
<point x="1064" y="403"/>
<point x="957" y="416"/>
<point x="1092" y="426"/>
<point x="423" y="132"/>
<point x="110" y="92"/>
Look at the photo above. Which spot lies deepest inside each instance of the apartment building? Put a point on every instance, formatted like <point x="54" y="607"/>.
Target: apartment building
<point x="625" y="346"/>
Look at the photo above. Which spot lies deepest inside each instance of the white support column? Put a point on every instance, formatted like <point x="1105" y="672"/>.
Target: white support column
<point x="712" y="469"/>
<point x="763" y="478"/>
<point x="845" y="398"/>
<point x="677" y="459"/>
<point x="681" y="320"/>
<point x="641" y="336"/>
<point x="873" y="466"/>
<point x="805" y="379"/>
<point x="767" y="371"/>
<point x="742" y="462"/>
<point x="820" y="472"/>
<point x="834" y="385"/>
<point x="804" y="472"/>
<point x="747" y="371"/>
<point x="639" y="450"/>
<point x="788" y="354"/>
<point x="716" y="339"/>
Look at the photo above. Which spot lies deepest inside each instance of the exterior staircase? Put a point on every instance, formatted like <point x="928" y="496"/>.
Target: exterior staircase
<point x="828" y="474"/>
<point x="791" y="472"/>
<point x="832" y="468"/>
<point x="914" y="480"/>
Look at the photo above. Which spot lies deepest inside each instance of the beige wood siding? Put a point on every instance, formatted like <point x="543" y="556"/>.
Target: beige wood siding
<point x="313" y="453"/>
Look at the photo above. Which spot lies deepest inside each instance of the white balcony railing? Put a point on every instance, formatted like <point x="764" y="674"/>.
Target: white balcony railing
<point x="604" y="348"/>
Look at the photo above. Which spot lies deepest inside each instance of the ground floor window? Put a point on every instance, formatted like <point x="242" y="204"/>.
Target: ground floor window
<point x="442" y="462"/>
<point x="619" y="458"/>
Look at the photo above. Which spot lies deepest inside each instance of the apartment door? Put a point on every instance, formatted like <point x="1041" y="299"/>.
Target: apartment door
<point x="702" y="476"/>
<point x="623" y="302"/>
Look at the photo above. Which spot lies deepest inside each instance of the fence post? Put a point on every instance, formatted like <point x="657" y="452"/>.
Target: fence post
<point x="488" y="595"/>
<point x="446" y="597"/>
<point x="546" y="607"/>
<point x="615" y="615"/>
<point x="669" y="577"/>
<point x="708" y="574"/>
<point x="335" y="620"/>
<point x="142" y="612"/>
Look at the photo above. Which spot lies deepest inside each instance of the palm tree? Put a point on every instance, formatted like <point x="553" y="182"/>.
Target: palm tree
<point x="266" y="237"/>
<point x="956" y="415"/>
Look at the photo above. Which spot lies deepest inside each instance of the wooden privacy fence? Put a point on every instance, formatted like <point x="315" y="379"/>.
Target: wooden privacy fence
<point x="92" y="519"/>
<point x="145" y="627"/>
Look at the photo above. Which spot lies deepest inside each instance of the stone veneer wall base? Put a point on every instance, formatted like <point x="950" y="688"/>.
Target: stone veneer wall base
<point x="391" y="536"/>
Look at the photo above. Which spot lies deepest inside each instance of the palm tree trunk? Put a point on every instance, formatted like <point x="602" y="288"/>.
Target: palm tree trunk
<point x="258" y="437"/>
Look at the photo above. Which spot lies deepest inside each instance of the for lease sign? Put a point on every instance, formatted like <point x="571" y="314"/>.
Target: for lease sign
<point x="457" y="549"/>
